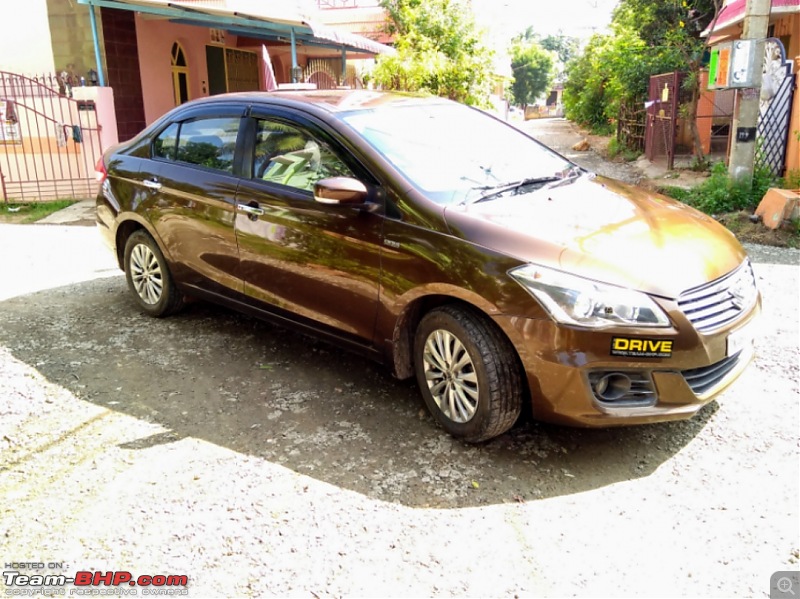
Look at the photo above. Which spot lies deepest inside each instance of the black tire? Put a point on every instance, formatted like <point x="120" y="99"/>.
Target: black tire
<point x="482" y="394"/>
<point x="149" y="278"/>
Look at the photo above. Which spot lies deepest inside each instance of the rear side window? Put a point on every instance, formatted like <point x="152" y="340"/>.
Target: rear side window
<point x="206" y="142"/>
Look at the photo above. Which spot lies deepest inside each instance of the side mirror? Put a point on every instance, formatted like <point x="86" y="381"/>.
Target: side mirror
<point x="340" y="190"/>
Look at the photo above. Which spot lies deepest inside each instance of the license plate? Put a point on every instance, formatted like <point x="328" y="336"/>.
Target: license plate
<point x="740" y="339"/>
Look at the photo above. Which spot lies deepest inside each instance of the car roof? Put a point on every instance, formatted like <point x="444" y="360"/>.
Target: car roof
<point x="328" y="100"/>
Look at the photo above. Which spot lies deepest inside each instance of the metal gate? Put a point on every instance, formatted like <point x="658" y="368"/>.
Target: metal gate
<point x="777" y="90"/>
<point x="50" y="142"/>
<point x="662" y="117"/>
<point x="632" y="125"/>
<point x="326" y="73"/>
<point x="321" y="73"/>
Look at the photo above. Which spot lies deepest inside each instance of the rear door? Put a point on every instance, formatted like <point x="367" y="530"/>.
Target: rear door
<point x="317" y="263"/>
<point x="195" y="186"/>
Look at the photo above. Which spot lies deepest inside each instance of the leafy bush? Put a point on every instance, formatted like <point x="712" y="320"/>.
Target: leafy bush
<point x="720" y="193"/>
<point x="792" y="179"/>
<point x="676" y="193"/>
<point x="617" y="148"/>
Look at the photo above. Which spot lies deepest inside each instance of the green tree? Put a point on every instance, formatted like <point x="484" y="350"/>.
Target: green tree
<point x="648" y="37"/>
<point x="532" y="66"/>
<point x="439" y="51"/>
<point x="564" y="47"/>
<point x="674" y="28"/>
<point x="586" y="94"/>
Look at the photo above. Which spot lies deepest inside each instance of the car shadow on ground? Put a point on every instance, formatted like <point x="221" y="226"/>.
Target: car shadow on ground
<point x="261" y="390"/>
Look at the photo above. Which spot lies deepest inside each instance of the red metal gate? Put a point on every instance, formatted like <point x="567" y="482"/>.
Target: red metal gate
<point x="662" y="118"/>
<point x="49" y="142"/>
<point x="321" y="72"/>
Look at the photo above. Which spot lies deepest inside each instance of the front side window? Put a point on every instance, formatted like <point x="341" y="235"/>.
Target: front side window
<point x="206" y="142"/>
<point x="289" y="156"/>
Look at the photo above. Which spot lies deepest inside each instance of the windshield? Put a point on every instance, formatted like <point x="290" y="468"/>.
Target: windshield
<point x="452" y="153"/>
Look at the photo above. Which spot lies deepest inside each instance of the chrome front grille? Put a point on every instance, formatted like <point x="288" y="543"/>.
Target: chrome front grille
<point x="720" y="302"/>
<point x="706" y="378"/>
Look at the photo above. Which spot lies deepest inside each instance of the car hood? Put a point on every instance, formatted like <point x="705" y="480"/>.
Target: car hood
<point x="604" y="230"/>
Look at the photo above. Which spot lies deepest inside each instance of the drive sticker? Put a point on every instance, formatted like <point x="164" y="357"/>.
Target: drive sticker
<point x="641" y="348"/>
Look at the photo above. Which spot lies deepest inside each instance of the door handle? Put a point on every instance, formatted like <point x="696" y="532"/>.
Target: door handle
<point x="251" y="210"/>
<point x="152" y="184"/>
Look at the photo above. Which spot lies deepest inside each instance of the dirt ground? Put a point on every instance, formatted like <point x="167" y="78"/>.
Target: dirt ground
<point x="754" y="232"/>
<point x="259" y="462"/>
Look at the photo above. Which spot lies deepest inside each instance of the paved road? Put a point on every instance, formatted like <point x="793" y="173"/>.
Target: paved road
<point x="259" y="462"/>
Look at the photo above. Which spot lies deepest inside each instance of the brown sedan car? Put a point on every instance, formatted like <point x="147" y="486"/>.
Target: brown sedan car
<point x="440" y="241"/>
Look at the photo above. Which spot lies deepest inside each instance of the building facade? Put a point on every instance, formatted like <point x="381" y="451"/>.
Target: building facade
<point x="77" y="76"/>
<point x="783" y="54"/>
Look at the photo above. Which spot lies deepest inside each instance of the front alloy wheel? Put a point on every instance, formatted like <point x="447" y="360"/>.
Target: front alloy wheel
<point x="451" y="376"/>
<point x="468" y="373"/>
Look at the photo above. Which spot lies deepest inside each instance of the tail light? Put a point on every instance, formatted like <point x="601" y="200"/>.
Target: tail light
<point x="100" y="172"/>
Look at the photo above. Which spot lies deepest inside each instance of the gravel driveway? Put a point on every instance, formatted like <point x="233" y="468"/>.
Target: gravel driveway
<point x="259" y="462"/>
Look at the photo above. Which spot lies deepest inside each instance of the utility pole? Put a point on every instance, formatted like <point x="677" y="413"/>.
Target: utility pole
<point x="756" y="25"/>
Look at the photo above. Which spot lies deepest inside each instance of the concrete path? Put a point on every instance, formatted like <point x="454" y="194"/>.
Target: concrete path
<point x="79" y="213"/>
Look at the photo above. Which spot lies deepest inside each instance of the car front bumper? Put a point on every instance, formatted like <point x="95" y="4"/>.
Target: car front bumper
<point x="563" y="366"/>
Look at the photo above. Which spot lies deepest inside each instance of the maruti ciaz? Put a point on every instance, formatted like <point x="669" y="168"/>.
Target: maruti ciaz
<point x="440" y="241"/>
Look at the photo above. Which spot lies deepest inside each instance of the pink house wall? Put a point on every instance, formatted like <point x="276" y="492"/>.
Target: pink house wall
<point x="103" y="98"/>
<point x="155" y="39"/>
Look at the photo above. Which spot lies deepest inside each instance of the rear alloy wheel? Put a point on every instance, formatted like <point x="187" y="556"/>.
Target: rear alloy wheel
<point x="148" y="276"/>
<point x="468" y="373"/>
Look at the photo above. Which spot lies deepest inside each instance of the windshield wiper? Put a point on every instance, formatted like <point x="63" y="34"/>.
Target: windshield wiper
<point x="493" y="191"/>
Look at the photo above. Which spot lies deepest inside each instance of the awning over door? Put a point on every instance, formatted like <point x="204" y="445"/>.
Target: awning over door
<point x="277" y="20"/>
<point x="733" y="12"/>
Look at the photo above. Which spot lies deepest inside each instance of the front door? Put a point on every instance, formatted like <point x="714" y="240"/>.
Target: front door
<point x="315" y="261"/>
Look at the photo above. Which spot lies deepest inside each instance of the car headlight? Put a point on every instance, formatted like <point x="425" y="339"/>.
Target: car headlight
<point x="574" y="300"/>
